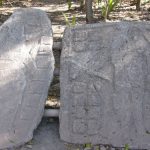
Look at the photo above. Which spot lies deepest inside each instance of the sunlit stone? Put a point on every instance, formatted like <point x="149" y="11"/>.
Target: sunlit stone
<point x="26" y="70"/>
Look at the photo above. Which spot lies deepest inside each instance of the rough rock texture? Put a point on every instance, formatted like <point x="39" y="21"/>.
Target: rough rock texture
<point x="26" y="70"/>
<point x="105" y="84"/>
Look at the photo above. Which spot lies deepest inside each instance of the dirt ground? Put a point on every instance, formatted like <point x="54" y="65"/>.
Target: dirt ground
<point x="46" y="137"/>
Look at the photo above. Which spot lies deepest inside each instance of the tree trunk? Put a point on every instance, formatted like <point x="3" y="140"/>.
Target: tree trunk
<point x="138" y="4"/>
<point x="89" y="11"/>
<point x="82" y="4"/>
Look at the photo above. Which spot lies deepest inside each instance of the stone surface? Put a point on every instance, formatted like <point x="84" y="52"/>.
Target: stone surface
<point x="105" y="84"/>
<point x="26" y="70"/>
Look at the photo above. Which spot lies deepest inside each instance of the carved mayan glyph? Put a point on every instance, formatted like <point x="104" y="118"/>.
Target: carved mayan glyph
<point x="105" y="84"/>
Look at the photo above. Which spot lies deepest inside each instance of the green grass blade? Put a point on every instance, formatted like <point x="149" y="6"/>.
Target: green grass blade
<point x="69" y="2"/>
<point x="74" y="20"/>
<point x="88" y="145"/>
<point x="126" y="147"/>
<point x="66" y="19"/>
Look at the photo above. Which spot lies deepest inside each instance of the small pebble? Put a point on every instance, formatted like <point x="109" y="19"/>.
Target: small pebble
<point x="29" y="146"/>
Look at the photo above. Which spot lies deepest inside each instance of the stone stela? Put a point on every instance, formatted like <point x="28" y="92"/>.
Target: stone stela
<point x="105" y="84"/>
<point x="104" y="81"/>
<point x="26" y="70"/>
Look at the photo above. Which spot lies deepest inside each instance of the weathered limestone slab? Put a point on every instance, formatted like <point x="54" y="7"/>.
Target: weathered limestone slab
<point x="105" y="84"/>
<point x="26" y="70"/>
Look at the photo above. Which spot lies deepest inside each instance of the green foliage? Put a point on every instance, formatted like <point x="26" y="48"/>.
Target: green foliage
<point x="98" y="1"/>
<point x="88" y="145"/>
<point x="1" y="2"/>
<point x="70" y="23"/>
<point x="69" y="2"/>
<point x="126" y="147"/>
<point x="108" y="6"/>
<point x="73" y="20"/>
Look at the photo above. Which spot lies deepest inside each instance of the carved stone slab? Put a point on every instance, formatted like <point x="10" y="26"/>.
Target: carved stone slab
<point x="26" y="70"/>
<point x="105" y="84"/>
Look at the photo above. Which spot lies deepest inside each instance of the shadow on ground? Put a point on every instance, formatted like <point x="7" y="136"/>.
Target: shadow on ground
<point x="46" y="137"/>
